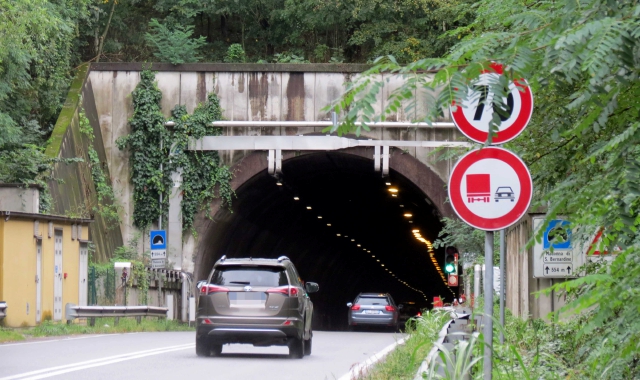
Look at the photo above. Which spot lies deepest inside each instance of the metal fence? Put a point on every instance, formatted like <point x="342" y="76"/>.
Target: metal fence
<point x="102" y="287"/>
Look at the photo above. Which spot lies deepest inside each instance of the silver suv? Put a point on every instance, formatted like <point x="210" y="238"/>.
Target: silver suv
<point x="376" y="309"/>
<point x="263" y="302"/>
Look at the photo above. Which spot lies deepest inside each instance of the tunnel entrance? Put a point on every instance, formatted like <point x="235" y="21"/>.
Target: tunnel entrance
<point x="342" y="225"/>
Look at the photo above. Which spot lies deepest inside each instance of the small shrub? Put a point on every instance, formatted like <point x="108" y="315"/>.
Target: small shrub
<point x="235" y="54"/>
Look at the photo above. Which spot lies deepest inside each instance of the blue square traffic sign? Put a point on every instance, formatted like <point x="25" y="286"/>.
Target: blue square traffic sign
<point x="561" y="231"/>
<point x="158" y="239"/>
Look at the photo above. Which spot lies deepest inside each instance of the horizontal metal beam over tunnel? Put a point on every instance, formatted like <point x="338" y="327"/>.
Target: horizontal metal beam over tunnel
<point x="306" y="143"/>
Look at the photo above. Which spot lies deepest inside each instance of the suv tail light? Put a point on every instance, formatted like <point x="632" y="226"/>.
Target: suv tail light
<point x="286" y="290"/>
<point x="208" y="288"/>
<point x="389" y="308"/>
<point x="355" y="307"/>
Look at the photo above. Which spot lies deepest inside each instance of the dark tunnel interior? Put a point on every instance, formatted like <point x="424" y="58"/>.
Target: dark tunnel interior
<point x="340" y="223"/>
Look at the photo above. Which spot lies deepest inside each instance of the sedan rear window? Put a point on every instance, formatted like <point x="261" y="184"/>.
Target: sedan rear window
<point x="372" y="301"/>
<point x="253" y="276"/>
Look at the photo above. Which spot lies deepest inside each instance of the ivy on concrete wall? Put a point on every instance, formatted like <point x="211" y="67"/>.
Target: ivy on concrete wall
<point x="203" y="177"/>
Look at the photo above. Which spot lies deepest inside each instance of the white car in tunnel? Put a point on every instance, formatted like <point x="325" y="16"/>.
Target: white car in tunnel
<point x="373" y="309"/>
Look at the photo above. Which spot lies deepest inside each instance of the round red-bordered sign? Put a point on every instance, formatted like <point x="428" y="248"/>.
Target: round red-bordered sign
<point x="472" y="117"/>
<point x="490" y="188"/>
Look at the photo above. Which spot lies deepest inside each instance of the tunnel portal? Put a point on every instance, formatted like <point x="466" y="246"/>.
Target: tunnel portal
<point x="343" y="226"/>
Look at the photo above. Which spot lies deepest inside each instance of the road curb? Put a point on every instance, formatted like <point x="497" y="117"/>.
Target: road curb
<point x="361" y="369"/>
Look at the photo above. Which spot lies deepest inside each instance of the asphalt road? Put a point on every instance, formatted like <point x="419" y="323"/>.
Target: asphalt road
<point x="171" y="355"/>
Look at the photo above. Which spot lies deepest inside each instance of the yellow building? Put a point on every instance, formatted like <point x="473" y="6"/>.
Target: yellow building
<point x="43" y="266"/>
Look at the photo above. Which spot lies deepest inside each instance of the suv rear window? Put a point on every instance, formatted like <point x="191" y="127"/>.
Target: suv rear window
<point x="372" y="301"/>
<point x="254" y="276"/>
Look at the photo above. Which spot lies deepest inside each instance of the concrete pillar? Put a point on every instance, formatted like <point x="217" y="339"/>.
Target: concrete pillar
<point x="174" y="225"/>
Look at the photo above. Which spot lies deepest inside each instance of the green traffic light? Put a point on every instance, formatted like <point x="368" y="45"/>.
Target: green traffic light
<point x="449" y="268"/>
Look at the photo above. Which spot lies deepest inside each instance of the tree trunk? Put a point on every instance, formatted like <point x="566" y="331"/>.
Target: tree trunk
<point x="106" y="30"/>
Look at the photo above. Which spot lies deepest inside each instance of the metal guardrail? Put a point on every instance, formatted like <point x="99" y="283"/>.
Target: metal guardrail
<point x="3" y="309"/>
<point x="93" y="312"/>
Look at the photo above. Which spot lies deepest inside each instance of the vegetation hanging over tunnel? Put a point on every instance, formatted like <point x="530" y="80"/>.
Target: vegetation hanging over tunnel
<point x="156" y="152"/>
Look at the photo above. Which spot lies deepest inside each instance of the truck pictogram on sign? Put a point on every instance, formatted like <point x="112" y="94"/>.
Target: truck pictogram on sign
<point x="478" y="188"/>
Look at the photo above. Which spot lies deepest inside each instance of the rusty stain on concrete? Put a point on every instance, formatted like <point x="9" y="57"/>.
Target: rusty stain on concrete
<point x="241" y="83"/>
<point x="201" y="88"/>
<point x="258" y="95"/>
<point x="295" y="97"/>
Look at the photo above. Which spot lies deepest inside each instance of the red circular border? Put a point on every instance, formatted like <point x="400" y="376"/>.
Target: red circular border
<point x="526" y="188"/>
<point x="526" y="110"/>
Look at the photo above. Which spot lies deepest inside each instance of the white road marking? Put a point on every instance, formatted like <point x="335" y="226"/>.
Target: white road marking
<point x="53" y="340"/>
<point x="54" y="371"/>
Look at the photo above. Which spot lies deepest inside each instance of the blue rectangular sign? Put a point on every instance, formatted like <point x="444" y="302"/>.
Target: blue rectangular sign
<point x="158" y="239"/>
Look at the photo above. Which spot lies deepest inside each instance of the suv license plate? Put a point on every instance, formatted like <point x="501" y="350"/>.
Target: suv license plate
<point x="372" y="312"/>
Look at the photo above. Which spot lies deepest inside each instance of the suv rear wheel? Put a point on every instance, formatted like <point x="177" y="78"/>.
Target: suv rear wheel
<point x="296" y="348"/>
<point x="202" y="348"/>
<point x="216" y="349"/>
<point x="307" y="346"/>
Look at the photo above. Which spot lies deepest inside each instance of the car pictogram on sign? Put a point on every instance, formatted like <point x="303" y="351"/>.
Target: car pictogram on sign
<point x="504" y="193"/>
<point x="478" y="188"/>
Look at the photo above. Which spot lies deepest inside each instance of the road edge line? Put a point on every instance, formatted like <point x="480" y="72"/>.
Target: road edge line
<point x="363" y="368"/>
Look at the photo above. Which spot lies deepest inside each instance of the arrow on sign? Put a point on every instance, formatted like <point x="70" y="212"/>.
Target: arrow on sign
<point x="547" y="269"/>
<point x="569" y="270"/>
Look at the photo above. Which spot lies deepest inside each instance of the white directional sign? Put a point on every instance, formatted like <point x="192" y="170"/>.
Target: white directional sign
<point x="158" y="263"/>
<point x="473" y="116"/>
<point x="490" y="188"/>
<point x="564" y="259"/>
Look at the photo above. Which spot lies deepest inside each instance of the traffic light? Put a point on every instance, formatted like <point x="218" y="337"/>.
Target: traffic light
<point x="451" y="261"/>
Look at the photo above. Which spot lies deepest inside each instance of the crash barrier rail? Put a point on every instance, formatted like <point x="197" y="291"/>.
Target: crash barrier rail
<point x="93" y="312"/>
<point x="451" y="331"/>
<point x="3" y="310"/>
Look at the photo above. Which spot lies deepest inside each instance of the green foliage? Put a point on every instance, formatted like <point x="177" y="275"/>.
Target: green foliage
<point x="468" y="240"/>
<point x="203" y="179"/>
<point x="403" y="362"/>
<point x="147" y="134"/>
<point x="235" y="53"/>
<point x="106" y="206"/>
<point x="173" y="45"/>
<point x="287" y="57"/>
<point x="106" y="326"/>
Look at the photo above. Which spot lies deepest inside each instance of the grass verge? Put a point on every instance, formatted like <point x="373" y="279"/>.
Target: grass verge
<point x="103" y="326"/>
<point x="404" y="361"/>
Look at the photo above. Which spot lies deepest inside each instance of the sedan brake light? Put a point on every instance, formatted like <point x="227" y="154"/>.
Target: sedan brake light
<point x="389" y="308"/>
<point x="207" y="289"/>
<point x="355" y="307"/>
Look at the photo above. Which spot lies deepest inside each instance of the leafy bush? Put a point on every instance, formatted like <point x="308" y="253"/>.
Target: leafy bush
<point x="235" y="54"/>
<point x="174" y="45"/>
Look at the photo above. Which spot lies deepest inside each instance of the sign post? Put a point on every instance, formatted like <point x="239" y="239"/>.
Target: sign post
<point x="491" y="188"/>
<point x="158" y="244"/>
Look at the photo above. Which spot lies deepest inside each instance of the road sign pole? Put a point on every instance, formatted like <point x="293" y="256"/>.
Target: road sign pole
<point x="502" y="284"/>
<point x="488" y="305"/>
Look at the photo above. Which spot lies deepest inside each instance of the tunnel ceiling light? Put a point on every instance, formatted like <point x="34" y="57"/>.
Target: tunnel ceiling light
<point x="408" y="215"/>
<point x="337" y="234"/>
<point x="411" y="221"/>
<point x="319" y="217"/>
<point x="401" y="205"/>
<point x="388" y="183"/>
<point x="393" y="190"/>
<point x="308" y="207"/>
<point x="353" y="239"/>
<point x="278" y="183"/>
<point x="328" y="224"/>
<point x="418" y="231"/>
<point x="368" y="251"/>
<point x="373" y="255"/>
<point x="393" y="195"/>
<point x="378" y="260"/>
<point x="381" y="265"/>
<point x="359" y="245"/>
<point x="296" y="198"/>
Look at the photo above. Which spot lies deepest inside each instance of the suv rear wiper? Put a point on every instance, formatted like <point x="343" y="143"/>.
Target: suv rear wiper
<point x="240" y="282"/>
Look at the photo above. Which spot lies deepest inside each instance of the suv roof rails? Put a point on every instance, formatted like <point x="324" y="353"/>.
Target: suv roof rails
<point x="223" y="258"/>
<point x="282" y="258"/>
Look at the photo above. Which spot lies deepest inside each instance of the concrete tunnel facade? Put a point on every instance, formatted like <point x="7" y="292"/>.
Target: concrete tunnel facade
<point x="352" y="218"/>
